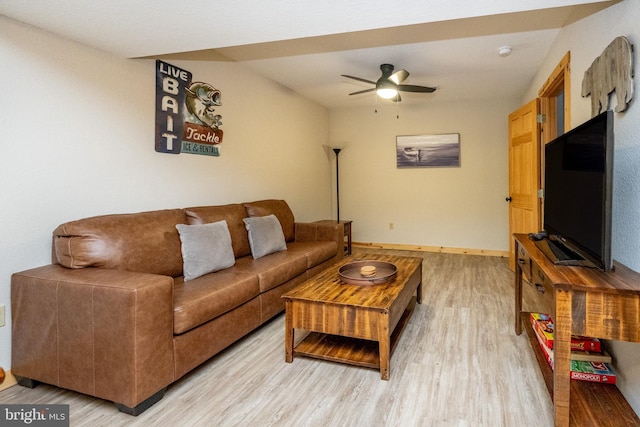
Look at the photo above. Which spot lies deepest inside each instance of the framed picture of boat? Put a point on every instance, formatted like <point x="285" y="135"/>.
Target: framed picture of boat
<point x="419" y="151"/>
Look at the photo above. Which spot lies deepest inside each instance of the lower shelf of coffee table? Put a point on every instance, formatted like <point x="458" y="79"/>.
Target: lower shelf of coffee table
<point x="349" y="350"/>
<point x="340" y="349"/>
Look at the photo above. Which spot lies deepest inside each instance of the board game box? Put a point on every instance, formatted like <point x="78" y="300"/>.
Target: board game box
<point x="543" y="324"/>
<point x="581" y="370"/>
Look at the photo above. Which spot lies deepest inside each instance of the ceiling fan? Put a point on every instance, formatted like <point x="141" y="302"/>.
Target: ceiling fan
<point x="389" y="85"/>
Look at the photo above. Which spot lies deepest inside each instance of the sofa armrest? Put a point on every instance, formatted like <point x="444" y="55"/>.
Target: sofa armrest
<point x="318" y="231"/>
<point x="106" y="333"/>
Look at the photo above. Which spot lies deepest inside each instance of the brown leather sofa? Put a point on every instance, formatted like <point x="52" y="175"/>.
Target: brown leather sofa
<point x="113" y="317"/>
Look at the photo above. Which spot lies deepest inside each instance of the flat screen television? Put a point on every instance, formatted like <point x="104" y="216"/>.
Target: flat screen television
<point x="578" y="182"/>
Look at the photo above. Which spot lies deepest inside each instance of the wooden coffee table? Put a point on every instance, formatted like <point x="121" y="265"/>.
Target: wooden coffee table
<point x="354" y="324"/>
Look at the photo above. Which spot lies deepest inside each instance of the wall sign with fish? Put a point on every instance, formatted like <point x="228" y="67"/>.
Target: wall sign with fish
<point x="186" y="117"/>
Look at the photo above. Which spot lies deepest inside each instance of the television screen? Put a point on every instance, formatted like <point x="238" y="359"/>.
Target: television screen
<point x="577" y="195"/>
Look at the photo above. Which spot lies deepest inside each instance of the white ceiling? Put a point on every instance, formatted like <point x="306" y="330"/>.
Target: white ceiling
<point x="307" y="44"/>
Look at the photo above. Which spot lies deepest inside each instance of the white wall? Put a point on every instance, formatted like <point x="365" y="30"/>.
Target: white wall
<point x="586" y="39"/>
<point x="455" y="207"/>
<point x="77" y="140"/>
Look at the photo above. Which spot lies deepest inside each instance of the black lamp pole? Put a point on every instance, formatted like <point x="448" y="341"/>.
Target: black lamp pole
<point x="337" y="151"/>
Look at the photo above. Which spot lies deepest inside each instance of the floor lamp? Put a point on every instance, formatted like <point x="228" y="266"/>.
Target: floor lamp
<point x="337" y="151"/>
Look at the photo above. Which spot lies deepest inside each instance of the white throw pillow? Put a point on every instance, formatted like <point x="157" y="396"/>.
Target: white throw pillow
<point x="205" y="248"/>
<point x="265" y="235"/>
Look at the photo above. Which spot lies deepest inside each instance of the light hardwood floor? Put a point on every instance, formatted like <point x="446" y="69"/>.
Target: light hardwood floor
<point x="458" y="363"/>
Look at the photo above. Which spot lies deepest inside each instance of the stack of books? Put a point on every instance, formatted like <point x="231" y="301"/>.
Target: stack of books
<point x="589" y="361"/>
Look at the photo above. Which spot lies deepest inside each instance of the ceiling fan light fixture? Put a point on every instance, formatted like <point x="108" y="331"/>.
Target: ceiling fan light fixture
<point x="387" y="92"/>
<point x="390" y="84"/>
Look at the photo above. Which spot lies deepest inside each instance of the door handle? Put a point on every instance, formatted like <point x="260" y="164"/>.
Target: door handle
<point x="508" y="199"/>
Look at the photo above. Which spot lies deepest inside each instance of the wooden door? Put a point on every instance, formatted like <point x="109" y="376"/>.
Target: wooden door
<point x="555" y="102"/>
<point x="524" y="173"/>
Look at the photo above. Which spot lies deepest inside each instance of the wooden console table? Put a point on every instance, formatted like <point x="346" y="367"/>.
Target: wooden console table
<point x="581" y="301"/>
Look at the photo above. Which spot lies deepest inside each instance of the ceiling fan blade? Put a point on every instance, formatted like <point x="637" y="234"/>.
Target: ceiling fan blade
<point x="363" y="91"/>
<point x="399" y="76"/>
<point x="414" y="88"/>
<point x="358" y="78"/>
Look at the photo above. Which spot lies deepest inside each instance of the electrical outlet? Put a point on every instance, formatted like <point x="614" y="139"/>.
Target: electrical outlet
<point x="2" y="322"/>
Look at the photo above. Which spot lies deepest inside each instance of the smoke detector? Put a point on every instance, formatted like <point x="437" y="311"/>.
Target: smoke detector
<point x="505" y="51"/>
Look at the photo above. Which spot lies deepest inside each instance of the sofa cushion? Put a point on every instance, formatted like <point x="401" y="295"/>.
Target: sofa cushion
<point x="274" y="269"/>
<point x="146" y="242"/>
<point x="233" y="214"/>
<point x="265" y="235"/>
<point x="280" y="209"/>
<point x="210" y="296"/>
<point x="205" y="248"/>
<point x="315" y="252"/>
